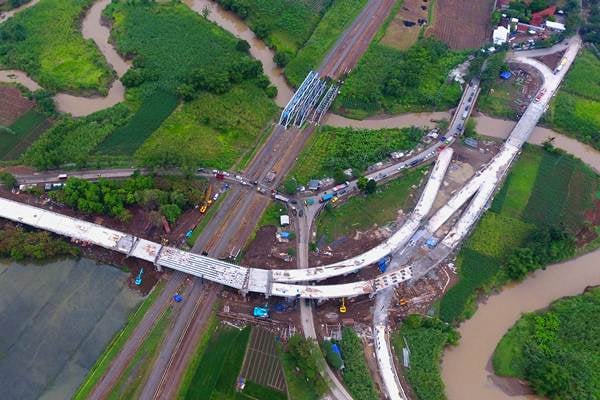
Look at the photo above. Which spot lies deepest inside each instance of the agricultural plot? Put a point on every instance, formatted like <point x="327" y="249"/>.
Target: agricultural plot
<point x="462" y="24"/>
<point x="261" y="364"/>
<point x="46" y="42"/>
<point x="576" y="108"/>
<point x="21" y="134"/>
<point x="212" y="130"/>
<point x="543" y="189"/>
<point x="333" y="150"/>
<point x="12" y="105"/>
<point x="393" y="81"/>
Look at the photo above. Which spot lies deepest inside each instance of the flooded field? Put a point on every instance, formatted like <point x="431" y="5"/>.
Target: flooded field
<point x="55" y="320"/>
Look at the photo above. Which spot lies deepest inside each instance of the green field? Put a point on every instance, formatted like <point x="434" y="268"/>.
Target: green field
<point x="544" y="189"/>
<point x="46" y="42"/>
<point x="70" y="141"/>
<point x="115" y="346"/>
<point x="363" y="211"/>
<point x="576" y="108"/>
<point x="556" y="350"/>
<point x="336" y="20"/>
<point x="332" y="150"/>
<point x="426" y="338"/>
<point x="285" y="25"/>
<point x="498" y="100"/>
<point x="212" y="130"/>
<point x="218" y="369"/>
<point x="393" y="81"/>
<point x="356" y="375"/>
<point x="21" y="134"/>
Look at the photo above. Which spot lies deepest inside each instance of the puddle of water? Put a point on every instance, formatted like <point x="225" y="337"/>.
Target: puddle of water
<point x="236" y="26"/>
<point x="464" y="367"/>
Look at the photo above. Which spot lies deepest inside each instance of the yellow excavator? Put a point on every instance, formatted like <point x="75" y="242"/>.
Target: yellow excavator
<point x="343" y="306"/>
<point x="207" y="200"/>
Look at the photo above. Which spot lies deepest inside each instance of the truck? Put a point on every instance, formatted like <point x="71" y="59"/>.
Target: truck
<point x="281" y="198"/>
<point x="325" y="197"/>
<point x="270" y="176"/>
<point x="340" y="187"/>
<point x="560" y="66"/>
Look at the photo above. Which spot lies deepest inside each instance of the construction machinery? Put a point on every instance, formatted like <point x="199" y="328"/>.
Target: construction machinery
<point x="207" y="200"/>
<point x="343" y="306"/>
<point x="138" y="278"/>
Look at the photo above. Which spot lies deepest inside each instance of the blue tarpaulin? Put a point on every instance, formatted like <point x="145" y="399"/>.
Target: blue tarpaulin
<point x="284" y="234"/>
<point x="260" y="312"/>
<point x="336" y="349"/>
<point x="505" y="75"/>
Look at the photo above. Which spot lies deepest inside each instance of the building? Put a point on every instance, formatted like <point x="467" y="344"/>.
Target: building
<point x="314" y="185"/>
<point x="500" y="35"/>
<point x="555" y="26"/>
<point x="539" y="17"/>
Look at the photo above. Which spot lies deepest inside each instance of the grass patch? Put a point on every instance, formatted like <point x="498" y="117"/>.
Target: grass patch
<point x="210" y="213"/>
<point x="394" y="81"/>
<point x="115" y="346"/>
<point x="218" y="370"/>
<point x="19" y="136"/>
<point x="426" y="338"/>
<point x="498" y="101"/>
<point x="46" y="42"/>
<point x="497" y="234"/>
<point x="335" y="149"/>
<point x="212" y="130"/>
<point x="297" y="387"/>
<point x="131" y="383"/>
<point x="126" y="139"/>
<point x="256" y="391"/>
<point x="556" y="350"/>
<point x="211" y="326"/>
<point x="576" y="108"/>
<point x="336" y="20"/>
<point x="363" y="211"/>
<point x="271" y="215"/>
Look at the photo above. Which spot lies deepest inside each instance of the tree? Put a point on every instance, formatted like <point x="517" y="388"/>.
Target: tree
<point x="362" y="183"/>
<point x="290" y="185"/>
<point x="339" y="176"/>
<point x="171" y="212"/>
<point x="186" y="91"/>
<point x="8" y="180"/>
<point x="205" y="12"/>
<point x="371" y="186"/>
<point x="133" y="77"/>
<point x="282" y="58"/>
<point x="271" y="91"/>
<point x="242" y="46"/>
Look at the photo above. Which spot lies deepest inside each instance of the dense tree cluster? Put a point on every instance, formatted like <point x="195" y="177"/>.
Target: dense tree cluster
<point x="219" y="81"/>
<point x="558" y="350"/>
<point x="548" y="245"/>
<point x="8" y="180"/>
<point x="306" y="356"/>
<point x="356" y="373"/>
<point x="112" y="197"/>
<point x="590" y="31"/>
<point x="20" y="244"/>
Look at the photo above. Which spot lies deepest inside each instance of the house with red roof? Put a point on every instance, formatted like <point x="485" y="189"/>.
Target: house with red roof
<point x="539" y="17"/>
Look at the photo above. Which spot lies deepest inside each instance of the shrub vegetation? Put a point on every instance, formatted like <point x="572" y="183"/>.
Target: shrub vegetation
<point x="357" y="377"/>
<point x="557" y="350"/>
<point x="531" y="223"/>
<point x="395" y="81"/>
<point x="332" y="150"/>
<point x="19" y="244"/>
<point x="426" y="338"/>
<point x="46" y="42"/>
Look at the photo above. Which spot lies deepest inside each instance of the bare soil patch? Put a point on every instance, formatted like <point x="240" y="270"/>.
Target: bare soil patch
<point x="12" y="104"/>
<point x="462" y="24"/>
<point x="403" y="30"/>
<point x="551" y="60"/>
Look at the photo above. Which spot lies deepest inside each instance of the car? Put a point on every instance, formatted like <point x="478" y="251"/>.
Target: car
<point x="443" y="139"/>
<point x="335" y="199"/>
<point x="294" y="201"/>
<point x="301" y="213"/>
<point x="307" y="302"/>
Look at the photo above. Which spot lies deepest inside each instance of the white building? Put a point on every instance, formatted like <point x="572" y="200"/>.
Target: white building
<point x="500" y="35"/>
<point x="555" y="26"/>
